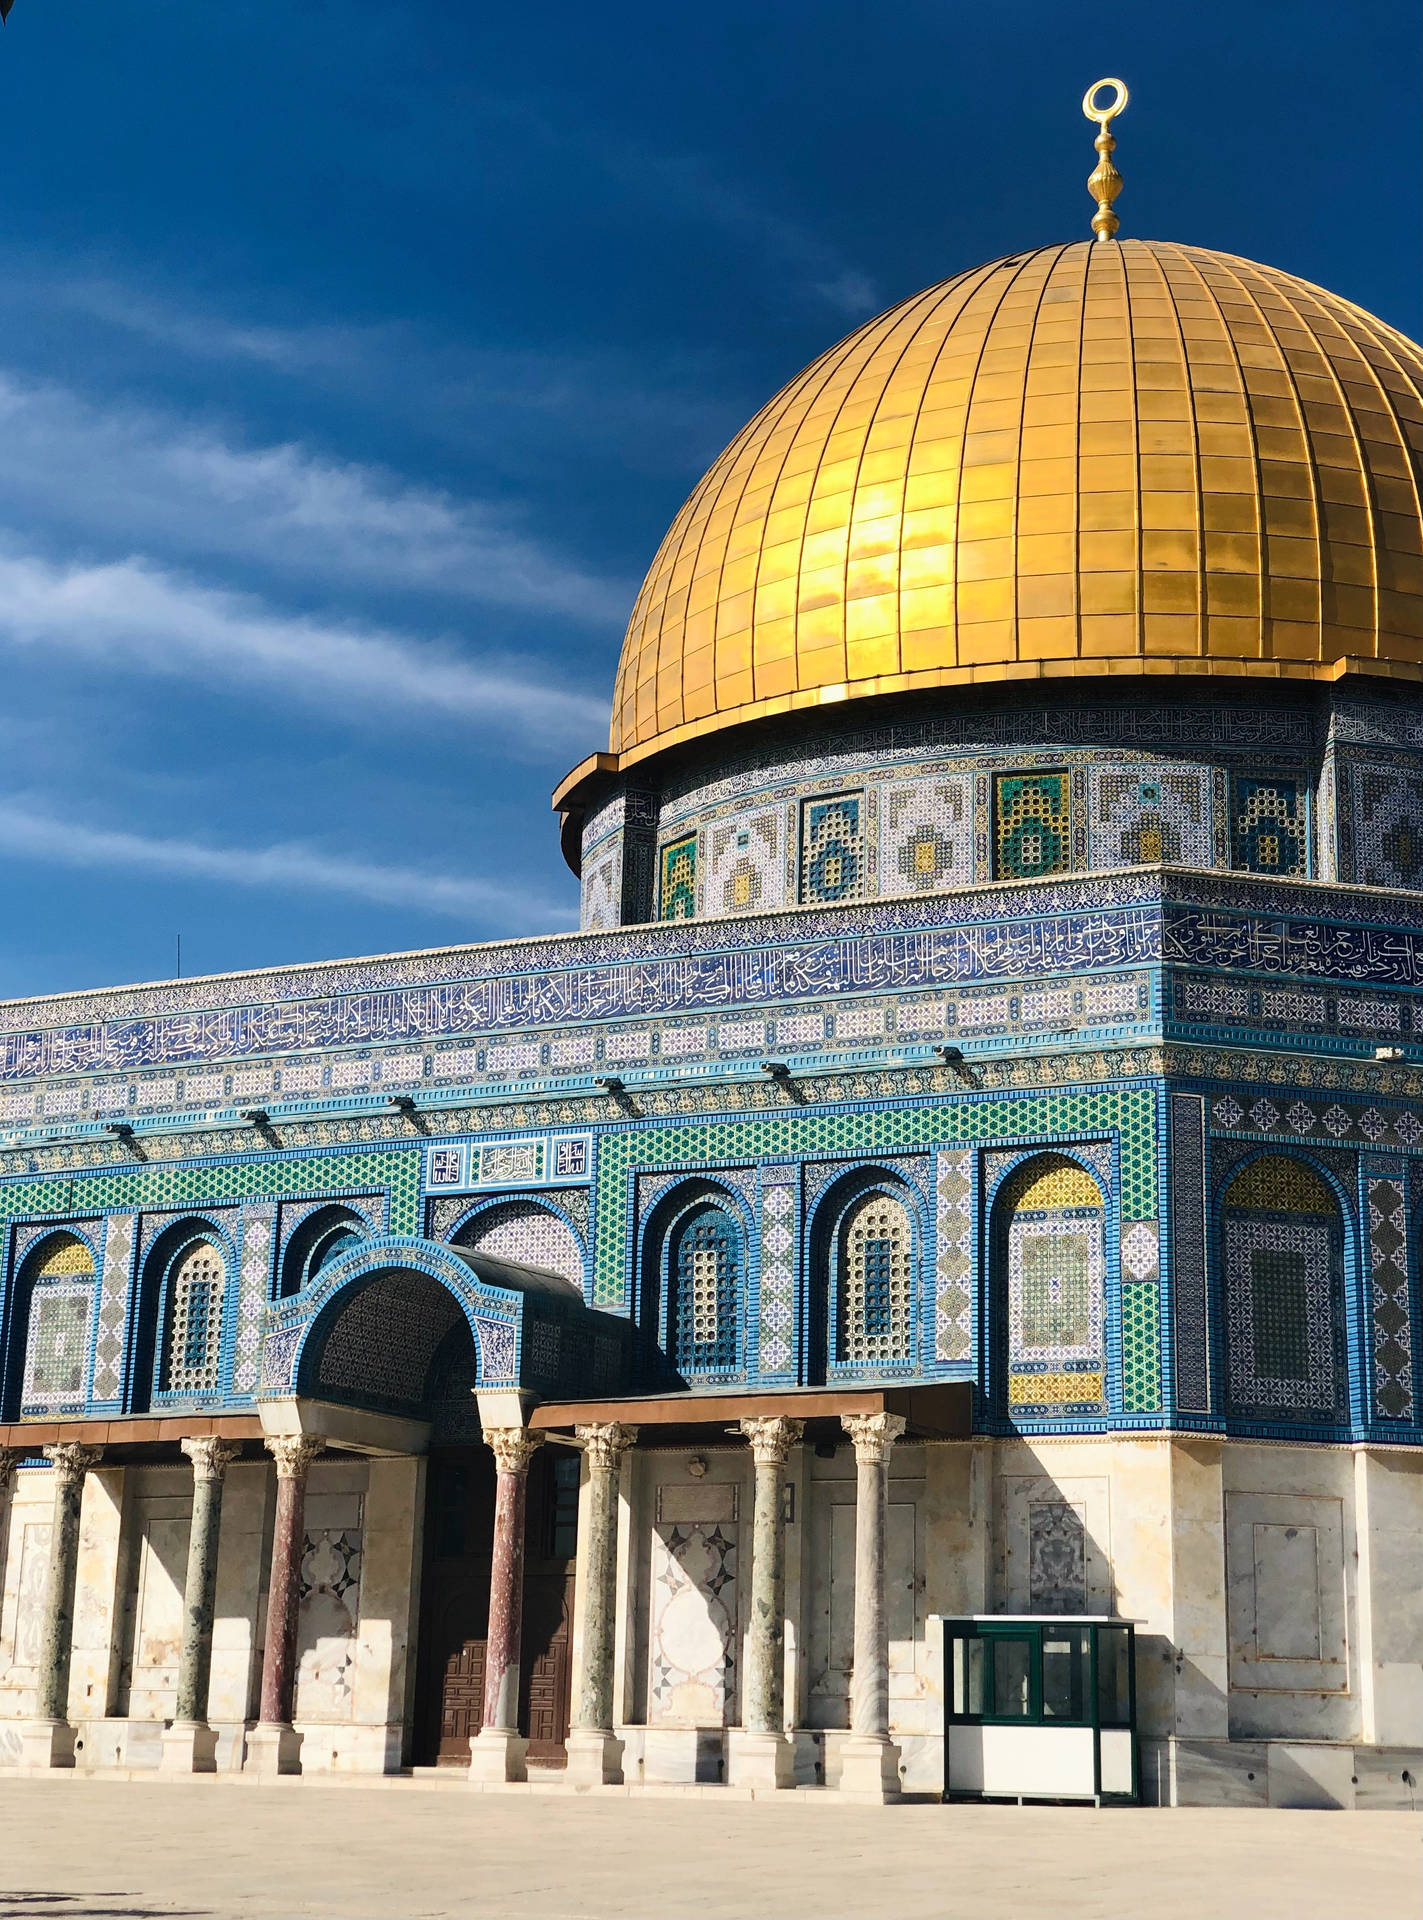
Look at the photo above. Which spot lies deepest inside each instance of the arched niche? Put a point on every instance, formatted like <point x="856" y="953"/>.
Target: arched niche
<point x="1282" y="1293"/>
<point x="1049" y="1249"/>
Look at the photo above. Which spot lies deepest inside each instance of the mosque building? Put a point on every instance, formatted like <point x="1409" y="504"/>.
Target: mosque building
<point x="968" y="1162"/>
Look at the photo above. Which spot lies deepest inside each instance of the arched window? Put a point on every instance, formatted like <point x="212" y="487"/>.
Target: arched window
<point x="703" y="1287"/>
<point x="316" y="1241"/>
<point x="1282" y="1248"/>
<point x="874" y="1291"/>
<point x="60" y="1273"/>
<point x="330" y="1247"/>
<point x="192" y="1346"/>
<point x="1051" y="1250"/>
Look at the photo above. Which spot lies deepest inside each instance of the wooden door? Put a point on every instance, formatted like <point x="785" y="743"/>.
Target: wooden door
<point x="544" y="1685"/>
<point x="454" y="1607"/>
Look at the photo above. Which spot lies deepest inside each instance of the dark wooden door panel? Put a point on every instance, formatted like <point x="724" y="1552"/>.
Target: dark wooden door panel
<point x="454" y="1612"/>
<point x="548" y="1614"/>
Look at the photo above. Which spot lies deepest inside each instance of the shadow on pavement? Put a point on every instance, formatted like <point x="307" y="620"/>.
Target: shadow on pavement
<point x="47" y="1905"/>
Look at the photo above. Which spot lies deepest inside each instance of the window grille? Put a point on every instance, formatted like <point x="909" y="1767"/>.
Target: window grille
<point x="195" y="1323"/>
<point x="876" y="1284"/>
<point x="702" y="1320"/>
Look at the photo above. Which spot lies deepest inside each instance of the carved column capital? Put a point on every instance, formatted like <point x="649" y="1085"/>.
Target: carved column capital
<point x="513" y="1447"/>
<point x="293" y="1453"/>
<point x="772" y="1436"/>
<point x="605" y="1443"/>
<point x="210" y="1455"/>
<point x="873" y="1434"/>
<point x="10" y="1458"/>
<point x="71" y="1459"/>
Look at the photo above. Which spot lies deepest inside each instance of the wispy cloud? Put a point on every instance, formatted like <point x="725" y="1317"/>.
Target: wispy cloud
<point x="134" y="615"/>
<point x="286" y="867"/>
<point x="693" y="187"/>
<point x="664" y="412"/>
<point x="213" y="336"/>
<point x="137" y="478"/>
<point x="801" y="257"/>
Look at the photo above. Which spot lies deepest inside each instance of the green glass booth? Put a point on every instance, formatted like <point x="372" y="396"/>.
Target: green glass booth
<point x="1040" y="1707"/>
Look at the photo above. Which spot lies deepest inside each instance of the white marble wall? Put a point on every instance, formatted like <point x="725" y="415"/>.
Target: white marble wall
<point x="1280" y="1623"/>
<point x="357" y="1623"/>
<point x="1276" y="1591"/>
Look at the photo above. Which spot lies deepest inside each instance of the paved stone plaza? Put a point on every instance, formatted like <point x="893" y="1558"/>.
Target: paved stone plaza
<point x="79" y="1849"/>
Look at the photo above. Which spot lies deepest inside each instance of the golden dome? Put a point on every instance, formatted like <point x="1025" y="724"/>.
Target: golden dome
<point x="1130" y="458"/>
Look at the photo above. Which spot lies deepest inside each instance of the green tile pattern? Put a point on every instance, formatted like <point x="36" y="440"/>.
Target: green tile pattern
<point x="1049" y="1117"/>
<point x="1141" y="1346"/>
<point x="145" y="1188"/>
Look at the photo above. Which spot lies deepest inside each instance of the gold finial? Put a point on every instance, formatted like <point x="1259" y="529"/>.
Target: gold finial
<point x="1105" y="182"/>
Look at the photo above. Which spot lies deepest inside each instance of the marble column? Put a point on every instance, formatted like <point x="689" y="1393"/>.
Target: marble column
<point x="761" y="1754"/>
<point x="497" y="1751"/>
<point x="274" y="1745"/>
<point x="870" y="1759"/>
<point x="48" y="1739"/>
<point x="189" y="1744"/>
<point x="595" y="1754"/>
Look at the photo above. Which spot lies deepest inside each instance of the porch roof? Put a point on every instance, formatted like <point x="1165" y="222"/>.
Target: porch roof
<point x="938" y="1410"/>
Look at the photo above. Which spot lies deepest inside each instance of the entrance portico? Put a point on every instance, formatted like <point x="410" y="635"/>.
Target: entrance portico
<point x="708" y="1576"/>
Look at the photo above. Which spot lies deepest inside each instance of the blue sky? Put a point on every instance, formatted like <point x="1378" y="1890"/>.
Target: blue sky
<point x="354" y="358"/>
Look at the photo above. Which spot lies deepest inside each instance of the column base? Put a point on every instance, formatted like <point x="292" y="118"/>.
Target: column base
<point x="272" y="1749"/>
<point x="496" y="1755"/>
<point x="47" y="1743"/>
<point x="869" y="1768"/>
<point x="595" y="1758"/>
<point x="760" y="1759"/>
<point x="189" y="1746"/>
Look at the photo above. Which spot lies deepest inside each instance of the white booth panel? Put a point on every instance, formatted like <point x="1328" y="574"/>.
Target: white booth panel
<point x="1046" y="1761"/>
<point x="1116" y="1759"/>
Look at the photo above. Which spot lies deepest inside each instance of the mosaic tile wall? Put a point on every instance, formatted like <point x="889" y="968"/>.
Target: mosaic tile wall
<point x="1186" y="1163"/>
<point x="1031" y="825"/>
<point x="833" y="853"/>
<point x="780" y="1230"/>
<point x="1390" y="1304"/>
<point x="1386" y="826"/>
<point x="1002" y="964"/>
<point x="866" y="1132"/>
<point x="602" y="889"/>
<point x="528" y="1234"/>
<point x="927" y="835"/>
<point x="1038" y="967"/>
<point x="745" y="863"/>
<point x="1054" y="1288"/>
<point x="1160" y="803"/>
<point x="1147" y="813"/>
<point x="954" y="1238"/>
<point x="254" y="1285"/>
<point x="61" y="1320"/>
<point x="922" y="1136"/>
<point x="677" y="891"/>
<point x="1269" y="826"/>
<point x="120" y="1241"/>
<point x="1282" y="1262"/>
<point x="1141" y="1347"/>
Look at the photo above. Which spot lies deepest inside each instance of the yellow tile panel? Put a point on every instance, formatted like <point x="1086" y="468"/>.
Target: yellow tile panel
<point x="1046" y="553"/>
<point x="1107" y="552"/>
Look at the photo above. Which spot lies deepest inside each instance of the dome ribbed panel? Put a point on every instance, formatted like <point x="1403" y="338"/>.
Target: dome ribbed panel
<point x="1136" y="458"/>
